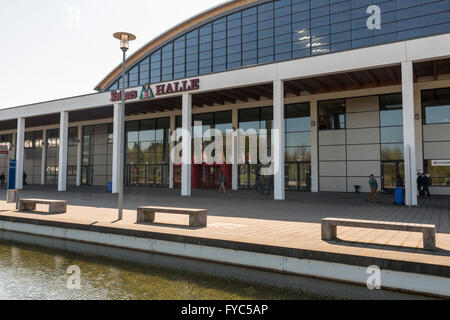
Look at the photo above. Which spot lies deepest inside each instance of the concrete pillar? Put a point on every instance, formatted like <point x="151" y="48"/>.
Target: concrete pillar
<point x="44" y="157"/>
<point x="20" y="150"/>
<point x="187" y="146"/>
<point x="278" y="136"/>
<point x="172" y="145"/>
<point x="409" y="133"/>
<point x="314" y="147"/>
<point x="63" y="139"/>
<point x="117" y="142"/>
<point x="235" y="165"/>
<point x="79" y="154"/>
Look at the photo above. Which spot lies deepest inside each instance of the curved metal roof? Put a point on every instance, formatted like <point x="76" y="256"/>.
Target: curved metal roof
<point x="171" y="34"/>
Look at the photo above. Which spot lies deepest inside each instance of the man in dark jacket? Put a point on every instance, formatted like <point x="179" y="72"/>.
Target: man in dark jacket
<point x="425" y="185"/>
<point x="420" y="183"/>
<point x="2" y="179"/>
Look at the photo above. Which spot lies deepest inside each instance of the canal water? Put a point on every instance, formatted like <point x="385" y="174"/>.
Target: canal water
<point x="37" y="268"/>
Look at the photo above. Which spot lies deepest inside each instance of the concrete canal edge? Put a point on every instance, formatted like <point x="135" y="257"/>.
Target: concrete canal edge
<point x="403" y="276"/>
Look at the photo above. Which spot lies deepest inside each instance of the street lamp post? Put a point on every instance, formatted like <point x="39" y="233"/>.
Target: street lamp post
<point x="124" y="38"/>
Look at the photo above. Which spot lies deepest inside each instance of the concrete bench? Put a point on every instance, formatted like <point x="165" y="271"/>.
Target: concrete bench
<point x="197" y="217"/>
<point x="54" y="206"/>
<point x="329" y="229"/>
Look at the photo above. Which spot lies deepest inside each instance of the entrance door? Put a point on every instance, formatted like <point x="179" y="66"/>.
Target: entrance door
<point x="392" y="175"/>
<point x="298" y="176"/>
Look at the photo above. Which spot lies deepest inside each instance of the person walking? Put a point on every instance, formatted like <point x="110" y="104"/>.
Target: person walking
<point x="373" y="183"/>
<point x="270" y="185"/>
<point x="258" y="181"/>
<point x="2" y="179"/>
<point x="25" y="178"/>
<point x="420" y="183"/>
<point x="425" y="185"/>
<point x="223" y="183"/>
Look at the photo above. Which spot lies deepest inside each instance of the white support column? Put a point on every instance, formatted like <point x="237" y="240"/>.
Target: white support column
<point x="409" y="133"/>
<point x="44" y="157"/>
<point x="235" y="165"/>
<point x="20" y="150"/>
<point x="314" y="147"/>
<point x="172" y="145"/>
<point x="187" y="146"/>
<point x="63" y="137"/>
<point x="117" y="138"/>
<point x="278" y="137"/>
<point x="79" y="154"/>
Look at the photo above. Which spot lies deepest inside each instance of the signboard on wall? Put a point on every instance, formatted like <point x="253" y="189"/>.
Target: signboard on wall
<point x="3" y="152"/>
<point x="441" y="163"/>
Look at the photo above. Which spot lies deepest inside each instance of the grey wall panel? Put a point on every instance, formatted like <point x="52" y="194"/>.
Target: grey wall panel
<point x="99" y="180"/>
<point x="436" y="132"/>
<point x="363" y="120"/>
<point x="99" y="170"/>
<point x="437" y="150"/>
<point x="72" y="161"/>
<point x="332" y="169"/>
<point x="363" y="152"/>
<point x="101" y="139"/>
<point x="363" y="168"/>
<point x="363" y="136"/>
<point x="100" y="160"/>
<point x="331" y="184"/>
<point x="363" y="104"/>
<point x="332" y="153"/>
<point x="100" y="149"/>
<point x="331" y="137"/>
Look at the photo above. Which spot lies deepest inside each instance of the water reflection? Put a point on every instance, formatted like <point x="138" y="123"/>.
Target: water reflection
<point x="28" y="271"/>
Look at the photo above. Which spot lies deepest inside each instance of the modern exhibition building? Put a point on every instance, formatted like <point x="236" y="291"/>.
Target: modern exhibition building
<point x="353" y="88"/>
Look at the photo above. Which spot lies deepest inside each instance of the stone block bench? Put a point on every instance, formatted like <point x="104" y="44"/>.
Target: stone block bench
<point x="329" y="229"/>
<point x="197" y="217"/>
<point x="54" y="206"/>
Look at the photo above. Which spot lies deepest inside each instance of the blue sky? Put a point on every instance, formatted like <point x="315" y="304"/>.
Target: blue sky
<point x="54" y="49"/>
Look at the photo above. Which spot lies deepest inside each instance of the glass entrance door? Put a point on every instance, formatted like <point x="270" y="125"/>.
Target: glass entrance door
<point x="298" y="176"/>
<point x="392" y="175"/>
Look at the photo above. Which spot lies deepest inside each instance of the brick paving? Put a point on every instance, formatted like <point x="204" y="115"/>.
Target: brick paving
<point x="249" y="217"/>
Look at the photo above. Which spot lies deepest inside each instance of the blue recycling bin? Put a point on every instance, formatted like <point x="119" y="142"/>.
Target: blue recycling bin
<point x="109" y="187"/>
<point x="399" y="196"/>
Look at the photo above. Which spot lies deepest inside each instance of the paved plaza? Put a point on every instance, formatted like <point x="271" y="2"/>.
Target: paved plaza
<point x="251" y="218"/>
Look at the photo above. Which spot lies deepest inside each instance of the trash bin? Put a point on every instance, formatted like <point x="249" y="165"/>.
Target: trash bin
<point x="399" y="196"/>
<point x="357" y="188"/>
<point x="109" y="187"/>
<point x="12" y="196"/>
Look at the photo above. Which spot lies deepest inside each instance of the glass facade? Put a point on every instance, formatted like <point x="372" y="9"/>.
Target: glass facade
<point x="436" y="106"/>
<point x="52" y="156"/>
<point x="147" y="152"/>
<point x="287" y="29"/>
<point x="391" y="127"/>
<point x="332" y="114"/>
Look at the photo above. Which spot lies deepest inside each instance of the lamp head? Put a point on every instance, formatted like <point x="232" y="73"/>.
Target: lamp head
<point x="124" y="38"/>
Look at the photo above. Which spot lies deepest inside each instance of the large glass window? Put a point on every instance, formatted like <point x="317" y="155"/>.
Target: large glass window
<point x="298" y="132"/>
<point x="436" y="106"/>
<point x="391" y="127"/>
<point x="287" y="29"/>
<point x="52" y="156"/>
<point x="439" y="175"/>
<point x="332" y="114"/>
